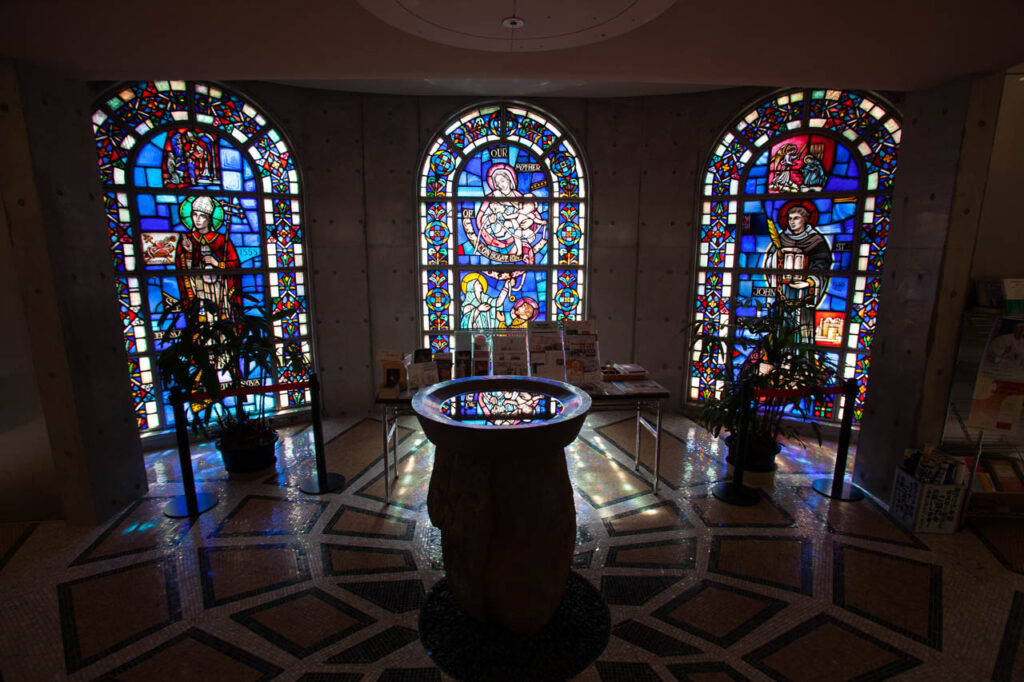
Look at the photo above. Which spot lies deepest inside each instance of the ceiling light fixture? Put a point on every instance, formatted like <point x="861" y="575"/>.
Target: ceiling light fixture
<point x="512" y="22"/>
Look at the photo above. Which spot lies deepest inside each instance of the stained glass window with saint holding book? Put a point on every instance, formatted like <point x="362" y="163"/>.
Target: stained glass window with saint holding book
<point x="796" y="203"/>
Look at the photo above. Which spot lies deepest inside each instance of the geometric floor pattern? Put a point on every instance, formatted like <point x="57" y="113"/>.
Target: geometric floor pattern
<point x="275" y="584"/>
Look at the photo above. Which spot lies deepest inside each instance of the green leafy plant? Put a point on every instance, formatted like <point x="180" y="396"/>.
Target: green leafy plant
<point x="778" y="359"/>
<point x="214" y="353"/>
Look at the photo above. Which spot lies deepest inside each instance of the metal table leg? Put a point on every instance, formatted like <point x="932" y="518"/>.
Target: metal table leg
<point x="387" y="447"/>
<point x="657" y="446"/>
<point x="636" y="450"/>
<point x="394" y="442"/>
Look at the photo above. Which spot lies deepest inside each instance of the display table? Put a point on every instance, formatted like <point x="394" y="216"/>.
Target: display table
<point x="500" y="492"/>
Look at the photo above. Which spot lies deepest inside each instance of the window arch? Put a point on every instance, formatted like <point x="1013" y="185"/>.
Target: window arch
<point x="170" y="151"/>
<point x="502" y="223"/>
<point x="800" y="164"/>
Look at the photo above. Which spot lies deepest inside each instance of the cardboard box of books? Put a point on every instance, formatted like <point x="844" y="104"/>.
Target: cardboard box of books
<point x="928" y="491"/>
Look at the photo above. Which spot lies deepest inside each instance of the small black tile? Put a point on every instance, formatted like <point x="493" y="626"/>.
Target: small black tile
<point x="626" y="672"/>
<point x="376" y="647"/>
<point x="655" y="641"/>
<point x="684" y="671"/>
<point x="206" y="579"/>
<point x="682" y="523"/>
<point x="330" y="677"/>
<point x="633" y="590"/>
<point x="410" y="525"/>
<point x="18" y="543"/>
<point x="903" y="662"/>
<point x="268" y="669"/>
<point x="771" y="606"/>
<point x="277" y="638"/>
<point x="1006" y="660"/>
<point x="396" y="596"/>
<point x="583" y="559"/>
<point x="688" y="561"/>
<point x="408" y="562"/>
<point x="410" y="675"/>
<point x="73" y="658"/>
<point x="314" y="517"/>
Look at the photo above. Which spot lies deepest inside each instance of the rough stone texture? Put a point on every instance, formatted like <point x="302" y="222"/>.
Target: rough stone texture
<point x="505" y="568"/>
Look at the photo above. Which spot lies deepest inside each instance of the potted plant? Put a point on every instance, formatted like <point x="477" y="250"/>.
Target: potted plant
<point x="778" y="359"/>
<point x="219" y="351"/>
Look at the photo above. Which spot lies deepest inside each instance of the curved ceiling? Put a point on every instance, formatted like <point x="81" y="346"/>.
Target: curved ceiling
<point x="519" y="25"/>
<point x="897" y="45"/>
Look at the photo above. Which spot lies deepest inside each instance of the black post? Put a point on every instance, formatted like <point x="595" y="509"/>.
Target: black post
<point x="734" y="492"/>
<point x="839" y="490"/>
<point x="323" y="482"/>
<point x="190" y="504"/>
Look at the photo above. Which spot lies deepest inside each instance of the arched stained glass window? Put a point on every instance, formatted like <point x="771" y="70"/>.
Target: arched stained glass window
<point x="797" y="198"/>
<point x="198" y="180"/>
<point x="502" y="223"/>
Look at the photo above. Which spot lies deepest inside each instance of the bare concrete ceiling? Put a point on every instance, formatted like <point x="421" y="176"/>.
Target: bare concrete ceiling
<point x="896" y="45"/>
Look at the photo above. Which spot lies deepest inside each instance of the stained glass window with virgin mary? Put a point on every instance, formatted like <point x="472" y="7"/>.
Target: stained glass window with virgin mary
<point x="502" y="220"/>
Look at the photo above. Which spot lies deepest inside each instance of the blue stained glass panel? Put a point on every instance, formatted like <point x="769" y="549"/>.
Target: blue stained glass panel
<point x="491" y="232"/>
<point x="212" y="166"/>
<point x="513" y="299"/>
<point x="817" y="164"/>
<point x="147" y="206"/>
<point x="230" y="158"/>
<point x="150" y="154"/>
<point x="501" y="225"/>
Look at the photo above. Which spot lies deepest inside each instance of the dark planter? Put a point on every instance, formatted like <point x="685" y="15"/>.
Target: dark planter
<point x="760" y="454"/>
<point x="249" y="457"/>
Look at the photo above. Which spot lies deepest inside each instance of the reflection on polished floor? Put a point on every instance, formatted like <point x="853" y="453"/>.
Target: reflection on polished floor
<point x="273" y="583"/>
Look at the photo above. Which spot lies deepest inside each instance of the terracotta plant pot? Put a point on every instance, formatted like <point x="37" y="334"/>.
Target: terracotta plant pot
<point x="250" y="456"/>
<point x="760" y="454"/>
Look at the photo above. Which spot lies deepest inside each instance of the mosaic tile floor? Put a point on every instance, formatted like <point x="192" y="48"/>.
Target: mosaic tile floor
<point x="273" y="583"/>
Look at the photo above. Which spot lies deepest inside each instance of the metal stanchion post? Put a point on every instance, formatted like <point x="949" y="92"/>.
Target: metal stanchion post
<point x="734" y="492"/>
<point x="835" y="488"/>
<point x="190" y="504"/>
<point x="323" y="482"/>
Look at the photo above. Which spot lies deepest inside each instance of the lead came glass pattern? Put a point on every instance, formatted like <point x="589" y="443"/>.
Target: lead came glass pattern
<point x="168" y="152"/>
<point x="502" y="222"/>
<point x="797" y="199"/>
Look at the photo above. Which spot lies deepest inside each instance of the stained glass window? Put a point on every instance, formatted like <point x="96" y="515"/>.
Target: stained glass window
<point x="197" y="179"/>
<point x="502" y="224"/>
<point x="796" y="203"/>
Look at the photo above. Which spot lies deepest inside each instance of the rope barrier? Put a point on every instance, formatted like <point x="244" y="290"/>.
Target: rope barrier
<point x="797" y="392"/>
<point x="227" y="393"/>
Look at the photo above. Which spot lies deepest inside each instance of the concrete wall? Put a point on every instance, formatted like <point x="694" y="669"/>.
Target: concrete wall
<point x="28" y="484"/>
<point x="62" y="265"/>
<point x="923" y="200"/>
<point x="359" y="155"/>
<point x="1000" y="242"/>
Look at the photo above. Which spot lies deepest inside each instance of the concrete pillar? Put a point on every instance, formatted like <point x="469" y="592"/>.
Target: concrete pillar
<point x="944" y="157"/>
<point x="62" y="260"/>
